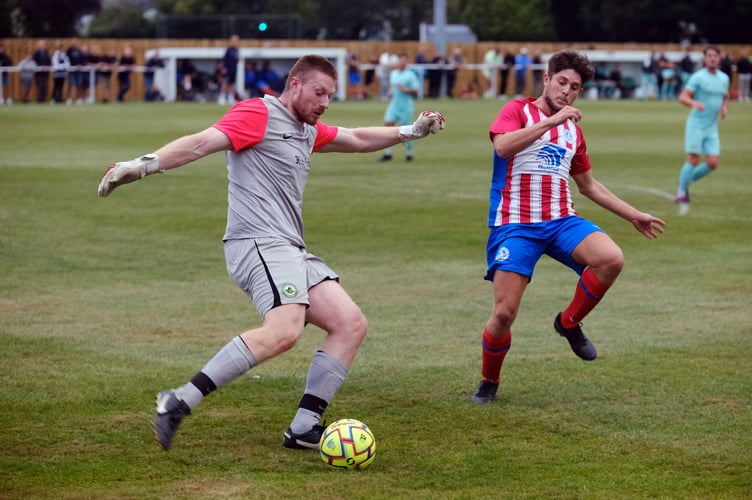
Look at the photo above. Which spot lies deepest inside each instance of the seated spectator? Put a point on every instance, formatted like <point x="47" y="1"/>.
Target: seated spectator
<point x="154" y="94"/>
<point x="617" y="88"/>
<point x="188" y="81"/>
<point x="268" y="80"/>
<point x="251" y="80"/>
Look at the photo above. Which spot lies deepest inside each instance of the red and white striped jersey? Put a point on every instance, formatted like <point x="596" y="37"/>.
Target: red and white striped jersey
<point x="533" y="185"/>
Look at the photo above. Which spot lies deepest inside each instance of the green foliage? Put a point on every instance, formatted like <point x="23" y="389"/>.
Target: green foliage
<point x="121" y="21"/>
<point x="105" y="302"/>
<point x="50" y="18"/>
<point x="511" y="20"/>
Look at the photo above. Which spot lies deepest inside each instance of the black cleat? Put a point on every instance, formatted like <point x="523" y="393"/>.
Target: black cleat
<point x="307" y="440"/>
<point x="170" y="411"/>
<point x="386" y="158"/>
<point x="579" y="343"/>
<point x="485" y="393"/>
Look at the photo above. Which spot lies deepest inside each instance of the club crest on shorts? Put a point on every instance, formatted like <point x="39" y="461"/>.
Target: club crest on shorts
<point x="502" y="254"/>
<point x="289" y="290"/>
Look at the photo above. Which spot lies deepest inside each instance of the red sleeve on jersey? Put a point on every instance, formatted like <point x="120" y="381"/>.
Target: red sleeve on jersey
<point x="580" y="160"/>
<point x="510" y="118"/>
<point x="245" y="123"/>
<point x="325" y="135"/>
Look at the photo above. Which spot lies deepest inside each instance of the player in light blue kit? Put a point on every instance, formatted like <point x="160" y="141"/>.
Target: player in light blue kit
<point x="403" y="89"/>
<point x="706" y="93"/>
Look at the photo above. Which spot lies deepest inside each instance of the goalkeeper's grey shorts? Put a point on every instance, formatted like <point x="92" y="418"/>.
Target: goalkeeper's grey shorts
<point x="273" y="272"/>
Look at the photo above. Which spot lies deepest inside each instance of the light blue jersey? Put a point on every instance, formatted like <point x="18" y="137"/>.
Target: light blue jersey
<point x="400" y="108"/>
<point x="710" y="89"/>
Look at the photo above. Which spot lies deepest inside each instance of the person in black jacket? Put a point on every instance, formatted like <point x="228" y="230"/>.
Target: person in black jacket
<point x="42" y="57"/>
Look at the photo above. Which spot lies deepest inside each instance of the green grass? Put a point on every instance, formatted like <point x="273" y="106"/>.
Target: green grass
<point x="105" y="302"/>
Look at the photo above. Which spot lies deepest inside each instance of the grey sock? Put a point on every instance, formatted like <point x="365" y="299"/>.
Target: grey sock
<point x="325" y="376"/>
<point x="232" y="361"/>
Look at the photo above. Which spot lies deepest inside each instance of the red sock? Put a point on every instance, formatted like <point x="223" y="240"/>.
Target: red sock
<point x="494" y="350"/>
<point x="588" y="293"/>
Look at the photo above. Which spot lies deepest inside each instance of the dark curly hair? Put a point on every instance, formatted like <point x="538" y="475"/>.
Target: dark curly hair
<point x="571" y="59"/>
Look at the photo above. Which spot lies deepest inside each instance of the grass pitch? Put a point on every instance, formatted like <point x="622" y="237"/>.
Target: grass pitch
<point x="105" y="302"/>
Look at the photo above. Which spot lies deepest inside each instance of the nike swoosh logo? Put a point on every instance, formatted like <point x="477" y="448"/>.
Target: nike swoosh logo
<point x="162" y="403"/>
<point x="286" y="135"/>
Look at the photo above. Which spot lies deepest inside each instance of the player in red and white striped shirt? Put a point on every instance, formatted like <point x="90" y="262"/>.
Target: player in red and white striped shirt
<point x="537" y="147"/>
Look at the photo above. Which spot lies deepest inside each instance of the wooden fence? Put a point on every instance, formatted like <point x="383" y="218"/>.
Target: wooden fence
<point x="467" y="79"/>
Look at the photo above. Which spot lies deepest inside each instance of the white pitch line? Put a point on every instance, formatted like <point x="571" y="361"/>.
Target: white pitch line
<point x="649" y="190"/>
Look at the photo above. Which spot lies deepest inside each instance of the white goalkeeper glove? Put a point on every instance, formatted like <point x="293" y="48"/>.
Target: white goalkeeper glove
<point x="429" y="122"/>
<point x="125" y="172"/>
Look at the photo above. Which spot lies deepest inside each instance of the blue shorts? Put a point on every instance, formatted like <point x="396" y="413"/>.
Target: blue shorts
<point x="76" y="78"/>
<point x="518" y="247"/>
<point x="699" y="140"/>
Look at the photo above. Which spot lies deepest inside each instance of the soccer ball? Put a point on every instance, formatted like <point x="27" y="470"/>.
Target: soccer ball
<point x="348" y="444"/>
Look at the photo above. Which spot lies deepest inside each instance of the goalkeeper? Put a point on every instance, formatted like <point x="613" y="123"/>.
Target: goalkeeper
<point x="269" y="142"/>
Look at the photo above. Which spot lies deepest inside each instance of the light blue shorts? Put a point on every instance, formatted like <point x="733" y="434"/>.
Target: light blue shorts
<point x="700" y="140"/>
<point x="401" y="115"/>
<point x="518" y="247"/>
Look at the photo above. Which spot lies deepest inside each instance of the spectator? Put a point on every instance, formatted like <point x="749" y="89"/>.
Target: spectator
<point x="457" y="62"/>
<point x="88" y="75"/>
<point x="76" y="74"/>
<point x="686" y="67"/>
<point x="28" y="69"/>
<point x="42" y="57"/>
<point x="370" y="75"/>
<point x="521" y="63"/>
<point x="269" y="81"/>
<point x="154" y="94"/>
<point x="354" y="81"/>
<point x="227" y="94"/>
<point x="668" y="78"/>
<point x="727" y="65"/>
<point x="617" y="89"/>
<point x="153" y="63"/>
<point x="187" y="80"/>
<point x="491" y="60"/>
<point x="251" y="80"/>
<point x="649" y="84"/>
<point x="104" y="73"/>
<point x="5" y="61"/>
<point x="387" y="61"/>
<point x="435" y="76"/>
<point x="94" y="59"/>
<point x="600" y="80"/>
<point x="508" y="64"/>
<point x="125" y="67"/>
<point x="60" y="68"/>
<point x="420" y="72"/>
<point x="744" y="75"/>
<point x="538" y="68"/>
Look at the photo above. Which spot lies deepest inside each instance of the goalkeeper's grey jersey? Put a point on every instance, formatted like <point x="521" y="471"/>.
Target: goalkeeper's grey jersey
<point x="268" y="168"/>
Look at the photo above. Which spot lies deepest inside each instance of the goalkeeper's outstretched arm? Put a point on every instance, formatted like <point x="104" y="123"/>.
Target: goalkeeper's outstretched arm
<point x="177" y="153"/>
<point x="368" y="139"/>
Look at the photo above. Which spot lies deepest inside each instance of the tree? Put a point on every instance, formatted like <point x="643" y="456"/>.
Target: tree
<point x="121" y="21"/>
<point x="49" y="18"/>
<point x="531" y="20"/>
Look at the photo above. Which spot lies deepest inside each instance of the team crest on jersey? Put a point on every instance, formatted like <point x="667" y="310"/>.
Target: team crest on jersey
<point x="550" y="156"/>
<point x="289" y="290"/>
<point x="502" y="254"/>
